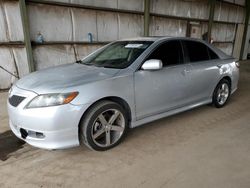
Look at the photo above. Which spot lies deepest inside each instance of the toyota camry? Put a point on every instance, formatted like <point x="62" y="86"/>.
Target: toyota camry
<point x="122" y="85"/>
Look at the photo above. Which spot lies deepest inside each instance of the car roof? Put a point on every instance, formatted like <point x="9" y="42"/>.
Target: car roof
<point x="141" y="39"/>
<point x="221" y="54"/>
<point x="159" y="38"/>
<point x="156" y="38"/>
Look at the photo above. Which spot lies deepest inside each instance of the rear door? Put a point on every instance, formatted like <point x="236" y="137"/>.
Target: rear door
<point x="204" y="72"/>
<point x="165" y="89"/>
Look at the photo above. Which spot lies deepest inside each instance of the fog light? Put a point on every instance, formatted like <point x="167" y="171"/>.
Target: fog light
<point x="24" y="133"/>
<point x="39" y="135"/>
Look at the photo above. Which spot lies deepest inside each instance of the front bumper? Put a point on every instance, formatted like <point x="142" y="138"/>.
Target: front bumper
<point x="53" y="127"/>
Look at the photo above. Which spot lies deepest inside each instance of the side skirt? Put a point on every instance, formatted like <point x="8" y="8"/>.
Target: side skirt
<point x="168" y="113"/>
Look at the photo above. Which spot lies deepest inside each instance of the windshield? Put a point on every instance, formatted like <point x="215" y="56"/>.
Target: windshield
<point x="117" y="55"/>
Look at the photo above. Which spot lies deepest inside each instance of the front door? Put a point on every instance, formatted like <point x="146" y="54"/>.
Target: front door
<point x="162" y="90"/>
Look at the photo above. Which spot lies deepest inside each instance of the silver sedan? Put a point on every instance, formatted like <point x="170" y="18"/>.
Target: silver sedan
<point x="123" y="85"/>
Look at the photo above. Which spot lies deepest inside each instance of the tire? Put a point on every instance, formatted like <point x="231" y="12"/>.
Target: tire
<point x="221" y="93"/>
<point x="104" y="126"/>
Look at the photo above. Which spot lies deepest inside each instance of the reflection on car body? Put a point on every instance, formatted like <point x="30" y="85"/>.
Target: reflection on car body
<point x="124" y="84"/>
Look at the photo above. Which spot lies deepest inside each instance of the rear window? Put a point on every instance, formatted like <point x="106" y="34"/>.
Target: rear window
<point x="198" y="51"/>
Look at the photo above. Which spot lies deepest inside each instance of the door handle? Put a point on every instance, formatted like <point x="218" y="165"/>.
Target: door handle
<point x="219" y="66"/>
<point x="185" y="71"/>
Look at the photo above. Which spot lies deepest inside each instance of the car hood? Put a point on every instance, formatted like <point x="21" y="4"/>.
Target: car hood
<point x="58" y="78"/>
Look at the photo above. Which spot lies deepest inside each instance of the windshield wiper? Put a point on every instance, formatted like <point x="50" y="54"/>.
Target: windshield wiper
<point x="81" y="62"/>
<point x="92" y="64"/>
<point x="111" y="67"/>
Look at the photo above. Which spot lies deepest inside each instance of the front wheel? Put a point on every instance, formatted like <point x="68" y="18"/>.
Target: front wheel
<point x="221" y="93"/>
<point x="104" y="126"/>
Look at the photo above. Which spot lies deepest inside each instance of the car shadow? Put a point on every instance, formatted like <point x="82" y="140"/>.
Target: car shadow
<point x="9" y="143"/>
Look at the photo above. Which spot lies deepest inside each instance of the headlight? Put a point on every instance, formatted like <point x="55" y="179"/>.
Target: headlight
<point x="51" y="99"/>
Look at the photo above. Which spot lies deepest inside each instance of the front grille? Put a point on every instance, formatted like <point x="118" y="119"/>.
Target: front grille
<point x="15" y="100"/>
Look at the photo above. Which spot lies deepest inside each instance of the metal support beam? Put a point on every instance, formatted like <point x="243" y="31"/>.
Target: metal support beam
<point x="116" y="10"/>
<point x="69" y="43"/>
<point x="247" y="14"/>
<point x="82" y="6"/>
<point x="146" y="17"/>
<point x="26" y="32"/>
<point x="211" y="19"/>
<point x="231" y="3"/>
<point x="12" y="43"/>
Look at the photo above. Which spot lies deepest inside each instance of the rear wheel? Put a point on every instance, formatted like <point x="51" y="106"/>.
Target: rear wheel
<point x="104" y="126"/>
<point x="221" y="93"/>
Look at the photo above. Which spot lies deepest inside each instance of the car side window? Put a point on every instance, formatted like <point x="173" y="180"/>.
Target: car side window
<point x="170" y="53"/>
<point x="196" y="51"/>
<point x="212" y="54"/>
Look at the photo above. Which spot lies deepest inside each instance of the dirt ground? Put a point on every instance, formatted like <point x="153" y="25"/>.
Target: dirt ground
<point x="202" y="148"/>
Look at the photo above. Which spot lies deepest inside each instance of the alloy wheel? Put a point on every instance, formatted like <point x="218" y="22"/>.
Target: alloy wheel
<point x="223" y="93"/>
<point x="108" y="128"/>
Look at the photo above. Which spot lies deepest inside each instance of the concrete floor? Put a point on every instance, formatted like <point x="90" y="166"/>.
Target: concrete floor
<point x="204" y="147"/>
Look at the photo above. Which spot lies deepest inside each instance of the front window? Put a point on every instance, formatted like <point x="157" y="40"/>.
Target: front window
<point x="170" y="53"/>
<point x="118" y="55"/>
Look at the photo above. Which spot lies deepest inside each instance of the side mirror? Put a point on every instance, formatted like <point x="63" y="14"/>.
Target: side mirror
<point x="152" y="64"/>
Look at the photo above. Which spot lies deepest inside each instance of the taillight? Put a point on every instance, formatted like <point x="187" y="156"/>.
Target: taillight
<point x="237" y="63"/>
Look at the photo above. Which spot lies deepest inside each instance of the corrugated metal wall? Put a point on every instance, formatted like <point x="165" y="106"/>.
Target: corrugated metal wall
<point x="73" y="24"/>
<point x="224" y="33"/>
<point x="12" y="58"/>
<point x="65" y="25"/>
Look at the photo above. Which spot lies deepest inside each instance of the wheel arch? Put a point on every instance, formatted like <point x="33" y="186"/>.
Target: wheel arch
<point x="214" y="97"/>
<point x="228" y="78"/>
<point x="116" y="99"/>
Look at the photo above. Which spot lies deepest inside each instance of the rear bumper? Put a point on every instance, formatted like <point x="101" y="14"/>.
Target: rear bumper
<point x="53" y="127"/>
<point x="235" y="78"/>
